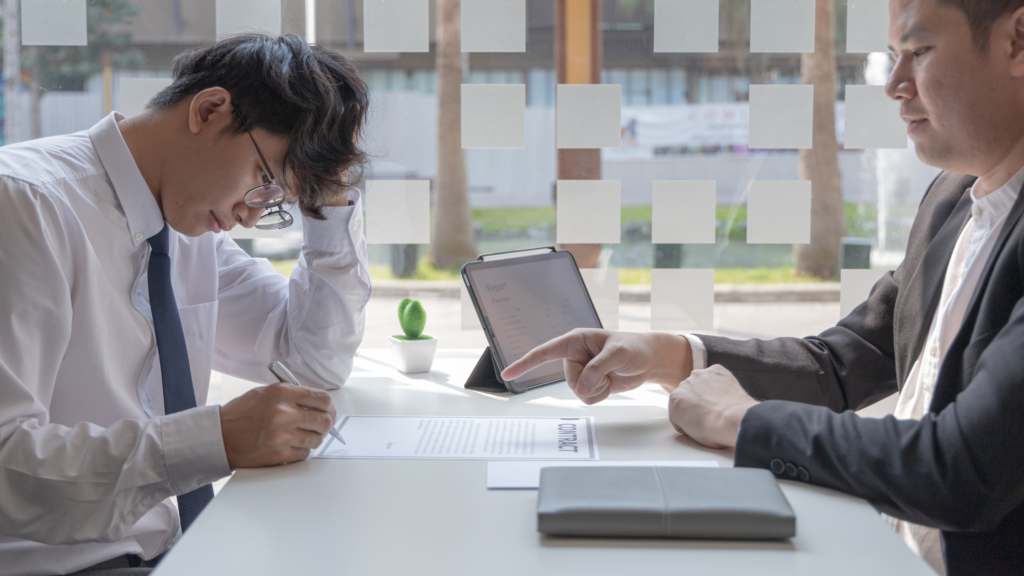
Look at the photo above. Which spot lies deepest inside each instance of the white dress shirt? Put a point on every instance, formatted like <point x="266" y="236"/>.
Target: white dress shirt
<point x="963" y="273"/>
<point x="88" y="460"/>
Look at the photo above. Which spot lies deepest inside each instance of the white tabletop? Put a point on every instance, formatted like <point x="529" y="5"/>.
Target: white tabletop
<point x="424" y="517"/>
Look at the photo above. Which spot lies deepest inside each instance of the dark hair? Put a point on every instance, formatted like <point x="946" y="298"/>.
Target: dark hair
<point x="982" y="15"/>
<point x="288" y="88"/>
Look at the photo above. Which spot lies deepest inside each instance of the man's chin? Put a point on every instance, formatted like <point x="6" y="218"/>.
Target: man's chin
<point x="935" y="156"/>
<point x="190" y="230"/>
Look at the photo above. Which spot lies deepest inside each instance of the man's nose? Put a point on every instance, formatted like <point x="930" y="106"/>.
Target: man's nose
<point x="248" y="215"/>
<point x="900" y="85"/>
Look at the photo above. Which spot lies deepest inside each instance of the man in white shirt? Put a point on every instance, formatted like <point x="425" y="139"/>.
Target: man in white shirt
<point x="121" y="291"/>
<point x="946" y="329"/>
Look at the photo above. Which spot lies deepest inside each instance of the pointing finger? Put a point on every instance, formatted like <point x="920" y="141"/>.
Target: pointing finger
<point x="556" y="349"/>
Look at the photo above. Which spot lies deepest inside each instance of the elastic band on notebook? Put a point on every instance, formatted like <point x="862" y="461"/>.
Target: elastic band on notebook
<point x="666" y="520"/>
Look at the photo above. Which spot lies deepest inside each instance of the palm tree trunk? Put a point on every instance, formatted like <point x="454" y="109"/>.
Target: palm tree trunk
<point x="12" y="71"/>
<point x="820" y="164"/>
<point x="453" y="243"/>
<point x="35" y="94"/>
<point x="578" y="61"/>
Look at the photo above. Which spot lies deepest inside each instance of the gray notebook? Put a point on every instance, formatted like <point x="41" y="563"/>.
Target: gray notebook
<point x="649" y="502"/>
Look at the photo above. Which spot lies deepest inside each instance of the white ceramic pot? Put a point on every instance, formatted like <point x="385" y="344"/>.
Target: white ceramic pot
<point x="413" y="356"/>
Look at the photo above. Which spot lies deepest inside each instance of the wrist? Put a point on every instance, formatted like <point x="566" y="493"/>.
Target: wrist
<point x="229" y="432"/>
<point x="734" y="421"/>
<point x="193" y="447"/>
<point x="673" y="359"/>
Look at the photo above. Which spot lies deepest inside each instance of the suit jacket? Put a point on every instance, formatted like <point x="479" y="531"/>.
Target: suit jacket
<point x="961" y="467"/>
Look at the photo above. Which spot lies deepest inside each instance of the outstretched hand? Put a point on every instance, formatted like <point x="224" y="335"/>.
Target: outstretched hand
<point x="602" y="362"/>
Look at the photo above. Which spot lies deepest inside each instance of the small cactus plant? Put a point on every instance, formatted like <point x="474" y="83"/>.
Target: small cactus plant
<point x="413" y="318"/>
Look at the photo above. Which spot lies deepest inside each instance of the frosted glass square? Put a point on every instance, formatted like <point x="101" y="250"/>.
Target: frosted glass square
<point x="398" y="212"/>
<point x="855" y="287"/>
<point x="396" y="26"/>
<point x="603" y="286"/>
<point x="588" y="212"/>
<point x="493" y="115"/>
<point x="683" y="212"/>
<point x="781" y="116"/>
<point x="686" y="25"/>
<point x="137" y="92"/>
<point x="867" y="26"/>
<point x="682" y="299"/>
<point x="241" y="16"/>
<point x="782" y="26"/>
<point x="53" y="23"/>
<point x="779" y="212"/>
<point x="494" y="25"/>
<point x="872" y="119"/>
<point x="589" y="116"/>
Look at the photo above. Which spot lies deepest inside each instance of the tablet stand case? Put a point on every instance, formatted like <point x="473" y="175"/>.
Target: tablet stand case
<point x="486" y="377"/>
<point x="655" y="502"/>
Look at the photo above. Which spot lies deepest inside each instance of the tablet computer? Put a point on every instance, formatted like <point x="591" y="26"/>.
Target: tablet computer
<point x="525" y="301"/>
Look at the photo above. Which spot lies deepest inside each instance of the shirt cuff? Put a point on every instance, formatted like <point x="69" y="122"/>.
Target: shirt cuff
<point x="342" y="229"/>
<point x="698" y="352"/>
<point x="194" y="448"/>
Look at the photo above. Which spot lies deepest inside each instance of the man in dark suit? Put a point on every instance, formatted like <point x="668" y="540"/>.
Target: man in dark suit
<point x="945" y="330"/>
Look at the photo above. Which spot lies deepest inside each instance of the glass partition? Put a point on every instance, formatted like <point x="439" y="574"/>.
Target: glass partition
<point x="687" y="130"/>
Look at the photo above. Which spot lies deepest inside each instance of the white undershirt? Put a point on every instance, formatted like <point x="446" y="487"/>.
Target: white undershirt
<point x="963" y="273"/>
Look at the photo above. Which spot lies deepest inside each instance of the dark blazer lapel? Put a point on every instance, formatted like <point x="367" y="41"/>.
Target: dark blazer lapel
<point x="952" y="378"/>
<point x="1011" y="222"/>
<point x="922" y="293"/>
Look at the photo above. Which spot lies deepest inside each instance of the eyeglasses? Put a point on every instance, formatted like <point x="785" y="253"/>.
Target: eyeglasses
<point x="268" y="195"/>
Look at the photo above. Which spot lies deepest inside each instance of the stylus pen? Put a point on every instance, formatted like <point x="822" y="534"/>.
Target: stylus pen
<point x="285" y="375"/>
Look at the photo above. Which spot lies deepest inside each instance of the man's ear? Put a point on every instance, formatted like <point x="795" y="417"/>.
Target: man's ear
<point x="1017" y="43"/>
<point x="210" y="109"/>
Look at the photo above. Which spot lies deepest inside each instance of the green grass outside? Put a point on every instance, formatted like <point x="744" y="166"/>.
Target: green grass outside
<point x="860" y="218"/>
<point x="627" y="276"/>
<point x="284" y="267"/>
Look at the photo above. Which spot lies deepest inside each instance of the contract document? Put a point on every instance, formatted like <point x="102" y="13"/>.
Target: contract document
<point x="447" y="437"/>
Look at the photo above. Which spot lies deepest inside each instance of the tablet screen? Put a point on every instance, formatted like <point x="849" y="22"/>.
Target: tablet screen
<point x="529" y="300"/>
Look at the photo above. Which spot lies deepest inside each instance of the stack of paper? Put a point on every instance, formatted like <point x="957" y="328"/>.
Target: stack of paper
<point x="487" y="438"/>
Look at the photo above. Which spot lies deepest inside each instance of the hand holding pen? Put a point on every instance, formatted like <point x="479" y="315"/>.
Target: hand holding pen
<point x="284" y="375"/>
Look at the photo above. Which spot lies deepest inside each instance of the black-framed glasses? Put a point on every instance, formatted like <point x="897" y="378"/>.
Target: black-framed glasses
<point x="269" y="195"/>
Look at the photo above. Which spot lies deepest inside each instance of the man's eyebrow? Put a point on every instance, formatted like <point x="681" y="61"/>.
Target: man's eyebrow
<point x="915" y="31"/>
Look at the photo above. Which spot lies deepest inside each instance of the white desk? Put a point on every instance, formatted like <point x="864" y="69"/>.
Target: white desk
<point x="422" y="517"/>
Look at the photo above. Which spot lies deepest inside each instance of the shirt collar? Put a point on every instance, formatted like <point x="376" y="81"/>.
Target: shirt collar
<point x="991" y="209"/>
<point x="137" y="201"/>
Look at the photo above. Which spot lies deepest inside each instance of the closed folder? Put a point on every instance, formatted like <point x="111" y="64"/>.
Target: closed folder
<point x="655" y="502"/>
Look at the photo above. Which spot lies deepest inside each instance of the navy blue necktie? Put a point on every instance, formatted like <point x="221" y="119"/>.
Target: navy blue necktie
<point x="174" y="369"/>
